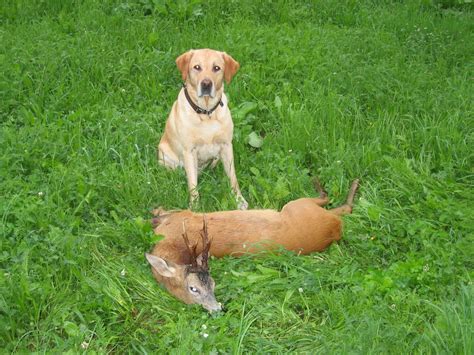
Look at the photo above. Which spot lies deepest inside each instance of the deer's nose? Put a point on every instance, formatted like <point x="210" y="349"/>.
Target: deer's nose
<point x="213" y="306"/>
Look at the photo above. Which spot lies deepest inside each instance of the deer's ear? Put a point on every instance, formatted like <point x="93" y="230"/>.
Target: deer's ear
<point x="163" y="267"/>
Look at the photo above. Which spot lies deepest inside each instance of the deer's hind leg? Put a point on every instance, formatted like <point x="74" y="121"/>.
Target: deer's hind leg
<point x="323" y="198"/>
<point x="347" y="207"/>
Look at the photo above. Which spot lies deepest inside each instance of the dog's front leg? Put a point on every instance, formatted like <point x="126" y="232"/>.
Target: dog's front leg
<point x="190" y="165"/>
<point x="227" y="156"/>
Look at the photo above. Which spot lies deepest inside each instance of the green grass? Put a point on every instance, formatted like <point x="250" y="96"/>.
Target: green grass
<point x="380" y="90"/>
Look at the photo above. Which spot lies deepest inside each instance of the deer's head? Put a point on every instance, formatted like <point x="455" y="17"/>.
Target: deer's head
<point x="190" y="283"/>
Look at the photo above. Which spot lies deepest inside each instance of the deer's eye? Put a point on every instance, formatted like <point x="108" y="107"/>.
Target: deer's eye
<point x="197" y="67"/>
<point x="193" y="289"/>
<point x="216" y="68"/>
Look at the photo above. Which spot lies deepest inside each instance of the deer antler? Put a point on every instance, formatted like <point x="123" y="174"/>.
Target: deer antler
<point x="206" y="246"/>
<point x="206" y="243"/>
<point x="191" y="249"/>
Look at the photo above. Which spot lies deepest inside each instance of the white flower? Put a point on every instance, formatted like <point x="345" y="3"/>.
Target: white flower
<point x="40" y="194"/>
<point x="204" y="326"/>
<point x="84" y="345"/>
<point x="205" y="335"/>
<point x="123" y="272"/>
<point x="300" y="290"/>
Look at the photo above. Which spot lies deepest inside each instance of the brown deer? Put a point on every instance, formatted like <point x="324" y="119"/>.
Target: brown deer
<point x="302" y="226"/>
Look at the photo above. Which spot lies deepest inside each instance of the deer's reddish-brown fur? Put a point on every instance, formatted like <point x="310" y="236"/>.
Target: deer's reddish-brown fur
<point x="302" y="226"/>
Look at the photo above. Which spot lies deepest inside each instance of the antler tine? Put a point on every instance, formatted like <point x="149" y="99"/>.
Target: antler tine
<point x="191" y="250"/>
<point x="206" y="243"/>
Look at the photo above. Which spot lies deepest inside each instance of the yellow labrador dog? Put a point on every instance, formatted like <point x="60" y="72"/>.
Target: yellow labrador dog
<point x="199" y="128"/>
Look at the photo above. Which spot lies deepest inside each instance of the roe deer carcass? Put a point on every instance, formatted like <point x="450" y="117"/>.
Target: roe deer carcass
<point x="302" y="226"/>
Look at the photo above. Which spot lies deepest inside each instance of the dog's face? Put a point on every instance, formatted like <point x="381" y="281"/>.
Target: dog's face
<point x="205" y="70"/>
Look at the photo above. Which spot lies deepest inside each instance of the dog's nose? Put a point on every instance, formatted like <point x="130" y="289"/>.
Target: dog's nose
<point x="206" y="86"/>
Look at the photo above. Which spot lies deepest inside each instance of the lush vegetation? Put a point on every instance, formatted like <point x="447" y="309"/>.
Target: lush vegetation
<point x="381" y="90"/>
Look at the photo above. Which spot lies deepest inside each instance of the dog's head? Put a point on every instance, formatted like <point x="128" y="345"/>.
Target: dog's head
<point x="205" y="70"/>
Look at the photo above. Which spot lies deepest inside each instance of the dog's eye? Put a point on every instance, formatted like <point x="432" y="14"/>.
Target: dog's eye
<point x="216" y="68"/>
<point x="197" y="67"/>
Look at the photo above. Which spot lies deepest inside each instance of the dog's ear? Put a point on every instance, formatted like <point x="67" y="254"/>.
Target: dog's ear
<point x="182" y="62"/>
<point x="231" y="67"/>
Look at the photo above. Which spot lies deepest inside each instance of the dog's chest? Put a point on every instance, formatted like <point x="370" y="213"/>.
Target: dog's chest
<point x="209" y="137"/>
<point x="211" y="131"/>
<point x="202" y="134"/>
<point x="207" y="152"/>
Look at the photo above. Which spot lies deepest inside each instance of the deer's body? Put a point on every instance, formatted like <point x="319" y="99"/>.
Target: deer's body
<point x="302" y="226"/>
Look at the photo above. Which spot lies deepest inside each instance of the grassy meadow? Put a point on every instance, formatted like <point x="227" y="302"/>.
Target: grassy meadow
<point x="380" y="90"/>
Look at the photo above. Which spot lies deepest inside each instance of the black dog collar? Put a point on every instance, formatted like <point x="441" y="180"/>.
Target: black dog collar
<point x="198" y="109"/>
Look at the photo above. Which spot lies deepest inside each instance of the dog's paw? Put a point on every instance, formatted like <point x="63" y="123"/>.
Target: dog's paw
<point x="241" y="203"/>
<point x="193" y="200"/>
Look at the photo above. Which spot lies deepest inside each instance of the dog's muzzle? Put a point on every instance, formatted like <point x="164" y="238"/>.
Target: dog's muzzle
<point x="206" y="87"/>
